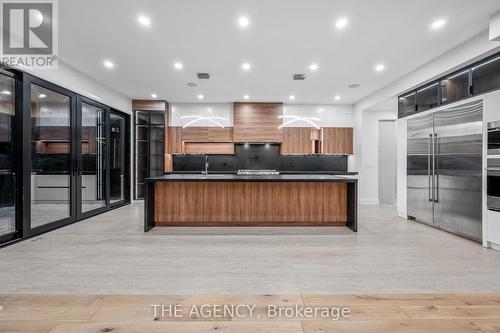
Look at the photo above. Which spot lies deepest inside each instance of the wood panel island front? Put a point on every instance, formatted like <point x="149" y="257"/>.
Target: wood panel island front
<point x="223" y="200"/>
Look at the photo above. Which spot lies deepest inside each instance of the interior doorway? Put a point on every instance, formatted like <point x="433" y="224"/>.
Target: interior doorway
<point x="387" y="162"/>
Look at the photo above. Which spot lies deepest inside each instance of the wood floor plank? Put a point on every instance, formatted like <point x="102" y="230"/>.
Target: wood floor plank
<point x="395" y="326"/>
<point x="480" y="299"/>
<point x="41" y="300"/>
<point x="388" y="299"/>
<point x="46" y="313"/>
<point x="147" y="300"/>
<point x="187" y="327"/>
<point x="453" y="312"/>
<point x="7" y="326"/>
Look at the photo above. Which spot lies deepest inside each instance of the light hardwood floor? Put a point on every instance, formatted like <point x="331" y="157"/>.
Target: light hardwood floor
<point x="372" y="313"/>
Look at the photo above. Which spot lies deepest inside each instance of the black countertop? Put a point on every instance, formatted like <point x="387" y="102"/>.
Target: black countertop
<point x="268" y="178"/>
<point x="335" y="173"/>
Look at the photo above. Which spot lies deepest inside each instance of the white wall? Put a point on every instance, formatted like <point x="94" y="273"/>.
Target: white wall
<point x="363" y="159"/>
<point x="222" y="110"/>
<point x="470" y="51"/>
<point x="328" y="115"/>
<point x="369" y="140"/>
<point x="80" y="83"/>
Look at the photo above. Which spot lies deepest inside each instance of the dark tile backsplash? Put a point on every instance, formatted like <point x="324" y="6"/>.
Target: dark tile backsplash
<point x="261" y="157"/>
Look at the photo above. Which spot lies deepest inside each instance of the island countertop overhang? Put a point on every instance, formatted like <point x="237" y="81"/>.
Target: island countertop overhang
<point x="256" y="178"/>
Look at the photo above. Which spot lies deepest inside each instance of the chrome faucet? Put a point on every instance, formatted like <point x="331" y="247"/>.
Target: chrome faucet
<point x="205" y="172"/>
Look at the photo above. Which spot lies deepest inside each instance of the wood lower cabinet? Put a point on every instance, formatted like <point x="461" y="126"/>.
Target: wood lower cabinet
<point x="337" y="140"/>
<point x="250" y="203"/>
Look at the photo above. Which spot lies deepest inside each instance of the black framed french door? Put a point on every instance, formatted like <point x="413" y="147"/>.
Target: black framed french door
<point x="49" y="156"/>
<point x="119" y="153"/>
<point x="9" y="218"/>
<point x="63" y="157"/>
<point x="92" y="158"/>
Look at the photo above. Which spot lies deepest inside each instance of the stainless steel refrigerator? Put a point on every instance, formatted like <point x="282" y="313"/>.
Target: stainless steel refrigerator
<point x="445" y="169"/>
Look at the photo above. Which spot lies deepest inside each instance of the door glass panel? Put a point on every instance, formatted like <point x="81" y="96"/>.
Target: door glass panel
<point x="455" y="87"/>
<point x="7" y="165"/>
<point x="118" y="158"/>
<point x="51" y="156"/>
<point x="93" y="176"/>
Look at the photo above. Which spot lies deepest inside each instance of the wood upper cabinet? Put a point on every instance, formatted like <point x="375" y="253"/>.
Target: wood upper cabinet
<point x="207" y="134"/>
<point x="257" y="122"/>
<point x="337" y="140"/>
<point x="297" y="140"/>
<point x="174" y="140"/>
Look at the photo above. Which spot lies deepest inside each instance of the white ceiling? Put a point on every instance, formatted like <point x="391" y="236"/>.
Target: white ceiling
<point x="284" y="37"/>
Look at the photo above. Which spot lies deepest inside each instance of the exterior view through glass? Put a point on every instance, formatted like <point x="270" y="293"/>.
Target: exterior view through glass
<point x="93" y="158"/>
<point x="50" y="156"/>
<point x="7" y="161"/>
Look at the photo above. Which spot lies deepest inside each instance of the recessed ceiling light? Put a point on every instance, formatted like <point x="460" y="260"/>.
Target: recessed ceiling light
<point x="42" y="96"/>
<point x="314" y="67"/>
<point x="108" y="64"/>
<point x="379" y="67"/>
<point x="200" y="96"/>
<point x="438" y="24"/>
<point x="153" y="95"/>
<point x="292" y="97"/>
<point x="243" y="21"/>
<point x="6" y="92"/>
<point x="144" y="21"/>
<point x="178" y="65"/>
<point x="246" y="97"/>
<point x="341" y="23"/>
<point x="337" y="98"/>
<point x="246" y="66"/>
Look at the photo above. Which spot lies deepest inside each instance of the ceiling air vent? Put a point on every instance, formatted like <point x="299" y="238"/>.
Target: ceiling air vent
<point x="299" y="76"/>
<point x="203" y="76"/>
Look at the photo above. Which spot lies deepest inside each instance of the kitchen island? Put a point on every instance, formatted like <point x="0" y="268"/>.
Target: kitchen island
<point x="223" y="200"/>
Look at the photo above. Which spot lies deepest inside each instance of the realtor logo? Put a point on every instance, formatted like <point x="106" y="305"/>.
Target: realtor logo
<point x="29" y="33"/>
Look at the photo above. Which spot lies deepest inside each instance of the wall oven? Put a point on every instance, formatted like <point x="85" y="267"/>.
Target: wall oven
<point x="494" y="138"/>
<point x="493" y="185"/>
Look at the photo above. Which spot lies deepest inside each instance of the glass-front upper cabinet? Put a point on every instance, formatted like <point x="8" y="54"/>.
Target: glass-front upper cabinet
<point x="7" y="160"/>
<point x="455" y="87"/>
<point x="428" y="97"/>
<point x="486" y="76"/>
<point x="406" y="105"/>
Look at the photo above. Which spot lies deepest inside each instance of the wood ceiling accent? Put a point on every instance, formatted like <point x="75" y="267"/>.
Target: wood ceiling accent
<point x="257" y="122"/>
<point x="250" y="203"/>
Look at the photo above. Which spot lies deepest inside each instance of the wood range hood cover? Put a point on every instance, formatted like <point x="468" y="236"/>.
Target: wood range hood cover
<point x="257" y="122"/>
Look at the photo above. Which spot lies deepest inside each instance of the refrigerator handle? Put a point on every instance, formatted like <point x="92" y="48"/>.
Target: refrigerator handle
<point x="430" y="187"/>
<point x="436" y="168"/>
